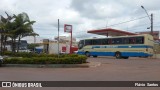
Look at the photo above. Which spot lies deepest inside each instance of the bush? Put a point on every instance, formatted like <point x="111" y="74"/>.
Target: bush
<point x="64" y="59"/>
<point x="20" y="54"/>
<point x="26" y="54"/>
<point x="7" y="53"/>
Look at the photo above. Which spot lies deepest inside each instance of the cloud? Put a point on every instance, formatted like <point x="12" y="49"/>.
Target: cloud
<point x="96" y="10"/>
<point x="84" y="15"/>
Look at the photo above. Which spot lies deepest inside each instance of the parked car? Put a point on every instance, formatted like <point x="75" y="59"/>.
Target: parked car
<point x="25" y="50"/>
<point x="1" y="60"/>
<point x="75" y="52"/>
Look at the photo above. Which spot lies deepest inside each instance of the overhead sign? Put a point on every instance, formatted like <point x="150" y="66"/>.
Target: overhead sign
<point x="67" y="28"/>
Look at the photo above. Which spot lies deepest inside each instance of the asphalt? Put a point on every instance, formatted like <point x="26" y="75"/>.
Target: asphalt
<point x="105" y="69"/>
<point x="84" y="65"/>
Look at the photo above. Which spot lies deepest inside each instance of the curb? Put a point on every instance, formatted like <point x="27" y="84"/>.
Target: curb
<point x="86" y="65"/>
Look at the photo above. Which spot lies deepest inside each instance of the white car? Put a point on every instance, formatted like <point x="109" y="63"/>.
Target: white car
<point x="75" y="52"/>
<point x="26" y="50"/>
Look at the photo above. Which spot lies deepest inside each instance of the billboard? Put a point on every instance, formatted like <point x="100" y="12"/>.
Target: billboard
<point x="67" y="28"/>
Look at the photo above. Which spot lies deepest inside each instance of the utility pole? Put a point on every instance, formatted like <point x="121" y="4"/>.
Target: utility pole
<point x="58" y="38"/>
<point x="152" y="25"/>
<point x="71" y="42"/>
<point x="34" y="44"/>
<point x="150" y="18"/>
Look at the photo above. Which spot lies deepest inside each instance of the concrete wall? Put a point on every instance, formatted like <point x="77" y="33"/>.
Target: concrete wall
<point x="157" y="48"/>
<point x="53" y="48"/>
<point x="156" y="56"/>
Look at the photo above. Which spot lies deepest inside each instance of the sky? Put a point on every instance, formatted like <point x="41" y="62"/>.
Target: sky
<point x="84" y="15"/>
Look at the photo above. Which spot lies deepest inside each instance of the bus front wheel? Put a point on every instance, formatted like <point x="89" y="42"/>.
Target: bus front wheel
<point x="118" y="55"/>
<point x="87" y="54"/>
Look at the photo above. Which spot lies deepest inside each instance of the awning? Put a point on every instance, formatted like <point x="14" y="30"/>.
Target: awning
<point x="111" y="32"/>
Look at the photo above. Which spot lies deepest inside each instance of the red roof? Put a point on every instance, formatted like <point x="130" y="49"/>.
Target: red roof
<point x="111" y="32"/>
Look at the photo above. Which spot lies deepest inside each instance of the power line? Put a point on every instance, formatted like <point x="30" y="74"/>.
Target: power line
<point x="127" y="21"/>
<point x="138" y="26"/>
<point x="108" y="26"/>
<point x="142" y="26"/>
<point x="41" y="27"/>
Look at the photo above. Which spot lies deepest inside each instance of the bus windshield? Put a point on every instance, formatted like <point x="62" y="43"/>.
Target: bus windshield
<point x="80" y="44"/>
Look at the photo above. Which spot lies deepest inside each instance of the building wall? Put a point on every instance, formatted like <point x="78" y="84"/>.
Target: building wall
<point x="53" y="48"/>
<point x="63" y="42"/>
<point x="157" y="48"/>
<point x="157" y="56"/>
<point x="65" y="39"/>
<point x="46" y="45"/>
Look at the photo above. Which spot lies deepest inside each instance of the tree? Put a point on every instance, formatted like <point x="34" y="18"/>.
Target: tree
<point x="32" y="46"/>
<point x="4" y="23"/>
<point x="23" y="26"/>
<point x="17" y="27"/>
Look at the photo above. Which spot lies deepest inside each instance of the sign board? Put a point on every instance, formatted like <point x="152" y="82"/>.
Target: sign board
<point x="64" y="48"/>
<point x="67" y="28"/>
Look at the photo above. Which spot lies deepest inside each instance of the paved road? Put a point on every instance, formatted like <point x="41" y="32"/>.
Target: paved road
<point x="133" y="69"/>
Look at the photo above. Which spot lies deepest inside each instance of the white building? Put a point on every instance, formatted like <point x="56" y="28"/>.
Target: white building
<point x="65" y="39"/>
<point x="63" y="48"/>
<point x="64" y="45"/>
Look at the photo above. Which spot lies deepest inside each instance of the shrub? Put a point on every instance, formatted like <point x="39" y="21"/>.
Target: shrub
<point x="65" y="59"/>
<point x="19" y="54"/>
<point x="7" y="53"/>
<point x="26" y="54"/>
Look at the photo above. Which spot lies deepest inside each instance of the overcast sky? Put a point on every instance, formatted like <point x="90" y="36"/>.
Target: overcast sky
<point x="84" y="15"/>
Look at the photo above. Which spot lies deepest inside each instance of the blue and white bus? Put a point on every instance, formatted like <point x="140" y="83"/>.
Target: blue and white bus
<point x="119" y="46"/>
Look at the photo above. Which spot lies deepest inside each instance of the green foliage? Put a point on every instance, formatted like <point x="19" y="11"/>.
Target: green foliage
<point x="20" y="54"/>
<point x="32" y="46"/>
<point x="16" y="27"/>
<point x="33" y="58"/>
<point x="26" y="54"/>
<point x="46" y="60"/>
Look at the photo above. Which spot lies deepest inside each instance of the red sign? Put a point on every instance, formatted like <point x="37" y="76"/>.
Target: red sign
<point x="67" y="28"/>
<point x="63" y="49"/>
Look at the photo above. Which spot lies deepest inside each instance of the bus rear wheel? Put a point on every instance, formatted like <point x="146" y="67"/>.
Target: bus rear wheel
<point x="125" y="57"/>
<point x="95" y="56"/>
<point x="87" y="54"/>
<point x="118" y="55"/>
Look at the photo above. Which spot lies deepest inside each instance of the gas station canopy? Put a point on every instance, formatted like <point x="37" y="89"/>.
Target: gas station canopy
<point x="111" y="32"/>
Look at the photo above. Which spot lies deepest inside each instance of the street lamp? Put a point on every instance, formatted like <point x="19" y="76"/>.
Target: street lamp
<point x="150" y="18"/>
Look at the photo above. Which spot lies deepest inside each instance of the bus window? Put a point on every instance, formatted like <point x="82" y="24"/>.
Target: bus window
<point x="88" y="42"/>
<point x="97" y="42"/>
<point x="113" y="41"/>
<point x="131" y="40"/>
<point x="139" y="40"/>
<point x="125" y="41"/>
<point x="109" y="41"/>
<point x="117" y="41"/>
<point x="104" y="41"/>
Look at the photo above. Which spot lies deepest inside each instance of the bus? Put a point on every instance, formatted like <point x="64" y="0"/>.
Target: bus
<point x="118" y="46"/>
